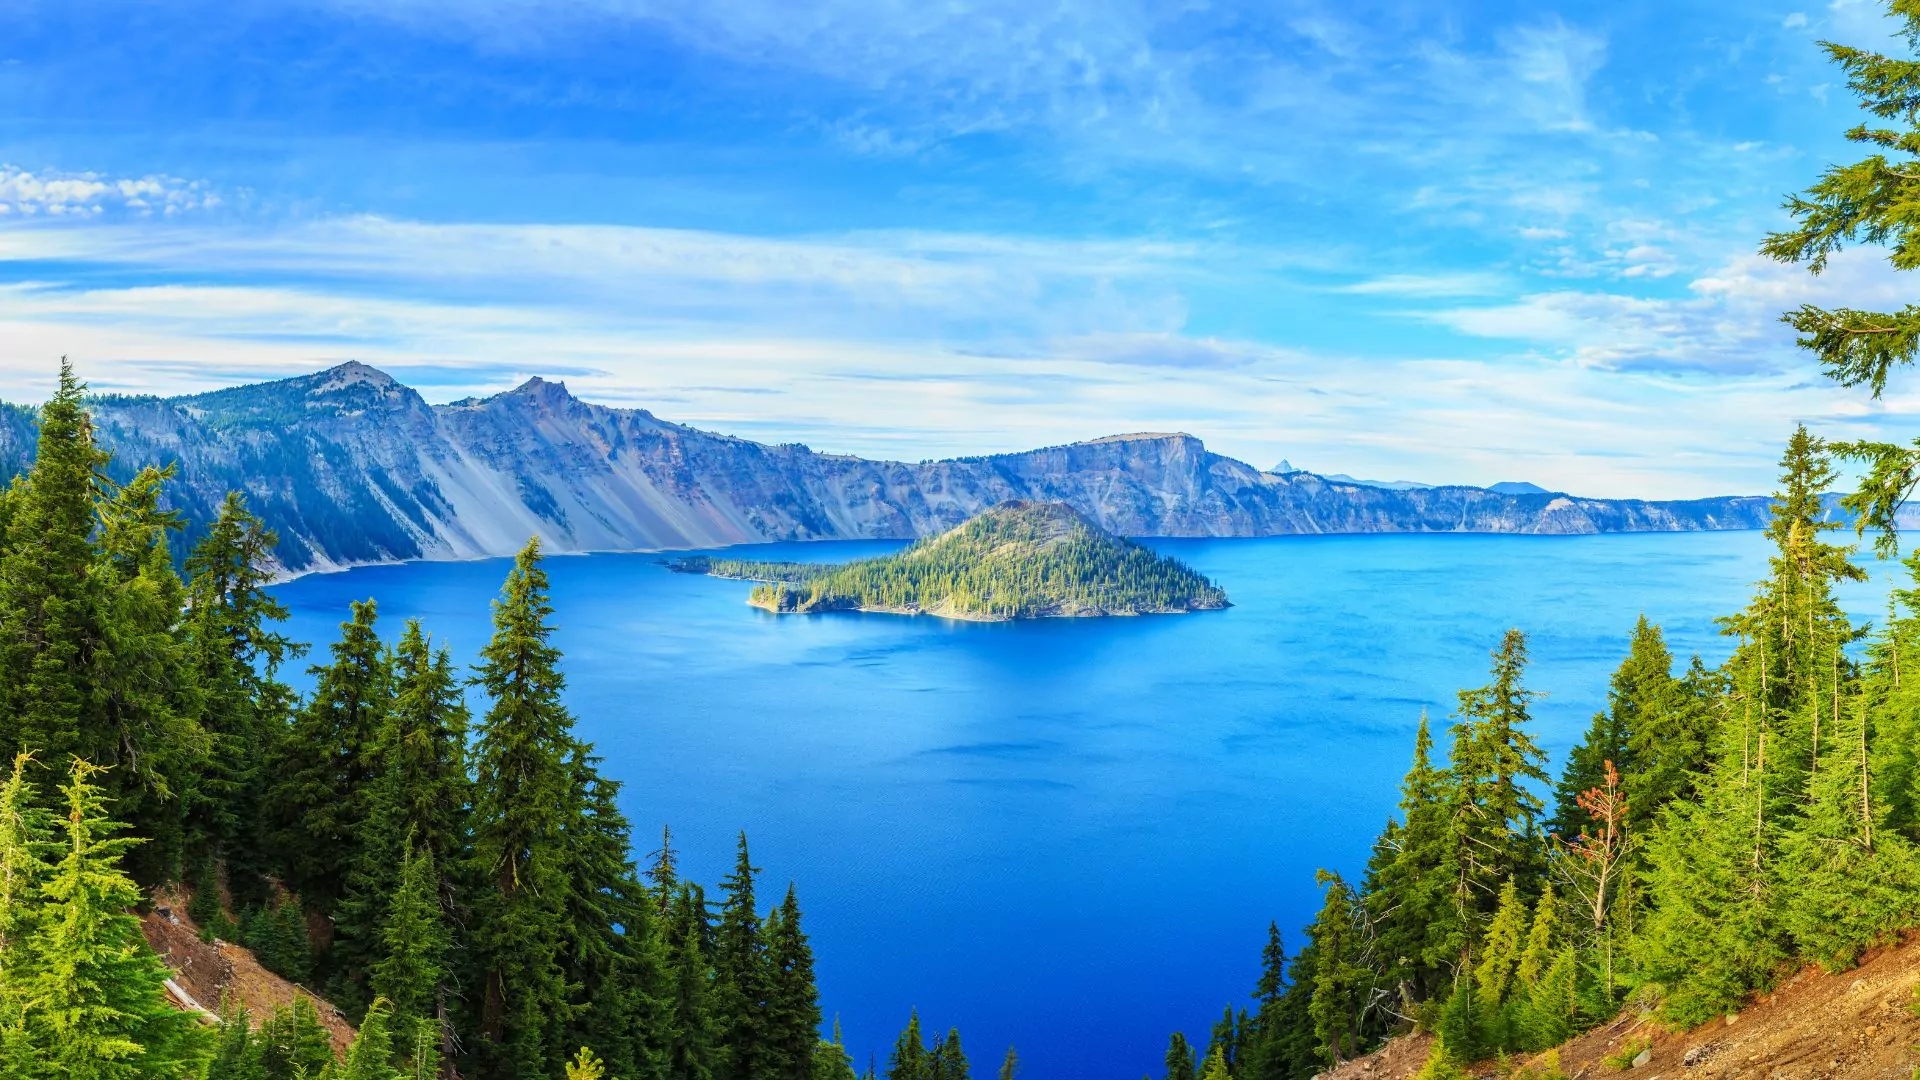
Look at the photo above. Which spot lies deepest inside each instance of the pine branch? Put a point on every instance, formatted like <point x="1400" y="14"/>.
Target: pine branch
<point x="1893" y="472"/>
<point x="1857" y="347"/>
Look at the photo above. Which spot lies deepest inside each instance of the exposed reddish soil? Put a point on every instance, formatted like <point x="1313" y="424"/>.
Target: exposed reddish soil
<point x="1859" y="1024"/>
<point x="1401" y="1057"/>
<point x="209" y="973"/>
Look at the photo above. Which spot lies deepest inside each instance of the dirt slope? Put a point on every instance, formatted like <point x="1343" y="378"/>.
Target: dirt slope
<point x="1854" y="1025"/>
<point x="205" y="974"/>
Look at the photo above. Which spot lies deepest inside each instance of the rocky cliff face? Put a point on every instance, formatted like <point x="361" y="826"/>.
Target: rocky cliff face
<point x="350" y="466"/>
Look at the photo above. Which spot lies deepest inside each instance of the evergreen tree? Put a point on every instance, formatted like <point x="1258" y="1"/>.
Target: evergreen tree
<point x="1501" y="950"/>
<point x="1852" y="886"/>
<point x="1262" y="1055"/>
<point x="1605" y="741"/>
<point x="149" y="704"/>
<point x="1292" y="1048"/>
<point x="690" y="1039"/>
<point x="1891" y="692"/>
<point x="1273" y="971"/>
<point x="1180" y="1060"/>
<point x="325" y="763"/>
<point x="1342" y="989"/>
<point x="585" y="1066"/>
<point x="418" y="796"/>
<point x="413" y="971"/>
<point x="1645" y="710"/>
<point x="614" y="950"/>
<point x="1867" y="201"/>
<point x="525" y="800"/>
<point x="1712" y="934"/>
<point x="664" y="874"/>
<point x="370" y="1057"/>
<point x="295" y="1045"/>
<point x="1553" y="1001"/>
<point x="1462" y="1025"/>
<point x="234" y="657"/>
<point x="96" y="996"/>
<point x="831" y="1060"/>
<point x="1411" y="884"/>
<point x="1224" y="1038"/>
<point x="909" y="1059"/>
<point x="49" y="597"/>
<point x="948" y="1061"/>
<point x="1714" y="931"/>
<point x="1543" y="939"/>
<point x="1010" y="1067"/>
<point x="1670" y="748"/>
<point x="25" y="847"/>
<point x="1494" y="760"/>
<point x="793" y="1002"/>
<point x="238" y="1054"/>
<point x="277" y="935"/>
<point x="741" y="978"/>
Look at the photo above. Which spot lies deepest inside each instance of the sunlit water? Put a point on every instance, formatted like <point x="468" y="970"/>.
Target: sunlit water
<point x="1067" y="835"/>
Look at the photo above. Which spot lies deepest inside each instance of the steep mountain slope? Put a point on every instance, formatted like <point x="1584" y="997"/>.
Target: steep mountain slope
<point x="352" y="467"/>
<point x="1019" y="560"/>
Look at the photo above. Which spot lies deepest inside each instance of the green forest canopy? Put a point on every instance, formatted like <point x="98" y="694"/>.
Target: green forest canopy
<point x="1017" y="560"/>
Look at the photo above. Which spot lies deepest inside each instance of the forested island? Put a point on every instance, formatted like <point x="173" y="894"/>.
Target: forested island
<point x="1019" y="560"/>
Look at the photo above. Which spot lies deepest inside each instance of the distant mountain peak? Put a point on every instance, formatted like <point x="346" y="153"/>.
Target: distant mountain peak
<point x="344" y="390"/>
<point x="1142" y="436"/>
<point x="1517" y="487"/>
<point x="1384" y="485"/>
<point x="353" y="372"/>
<point x="547" y="392"/>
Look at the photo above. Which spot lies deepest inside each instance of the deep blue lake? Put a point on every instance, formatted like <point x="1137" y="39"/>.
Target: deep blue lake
<point x="1067" y="835"/>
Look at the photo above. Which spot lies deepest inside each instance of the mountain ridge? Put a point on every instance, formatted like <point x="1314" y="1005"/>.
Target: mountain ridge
<point x="351" y="466"/>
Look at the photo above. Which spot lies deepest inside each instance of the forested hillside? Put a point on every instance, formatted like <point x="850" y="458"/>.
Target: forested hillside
<point x="463" y="887"/>
<point x="1718" y="827"/>
<point x="1018" y="560"/>
<point x="1715" y="827"/>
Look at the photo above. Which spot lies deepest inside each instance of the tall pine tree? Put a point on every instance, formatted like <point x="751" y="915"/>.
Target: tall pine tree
<point x="525" y="800"/>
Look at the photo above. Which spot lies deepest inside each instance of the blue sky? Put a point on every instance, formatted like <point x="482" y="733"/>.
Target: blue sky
<point x="1450" y="240"/>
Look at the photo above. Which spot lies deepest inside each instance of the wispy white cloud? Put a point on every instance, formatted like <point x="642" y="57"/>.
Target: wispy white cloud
<point x="1591" y="391"/>
<point x="67" y="194"/>
<point x="902" y="282"/>
<point x="1464" y="283"/>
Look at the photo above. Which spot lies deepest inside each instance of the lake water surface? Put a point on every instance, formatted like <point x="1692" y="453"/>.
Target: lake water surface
<point x="1067" y="835"/>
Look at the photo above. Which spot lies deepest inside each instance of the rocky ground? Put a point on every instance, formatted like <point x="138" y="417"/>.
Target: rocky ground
<point x="1860" y="1024"/>
<point x="207" y="974"/>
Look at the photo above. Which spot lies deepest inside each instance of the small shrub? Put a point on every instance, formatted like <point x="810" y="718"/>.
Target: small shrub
<point x="1440" y="1065"/>
<point x="1548" y="1068"/>
<point x="1623" y="1060"/>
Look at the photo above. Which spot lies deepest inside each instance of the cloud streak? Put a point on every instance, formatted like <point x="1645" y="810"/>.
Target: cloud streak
<point x="25" y="194"/>
<point x="1041" y="342"/>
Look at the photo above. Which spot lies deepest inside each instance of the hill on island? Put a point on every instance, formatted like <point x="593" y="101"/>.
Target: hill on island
<point x="1019" y="560"/>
